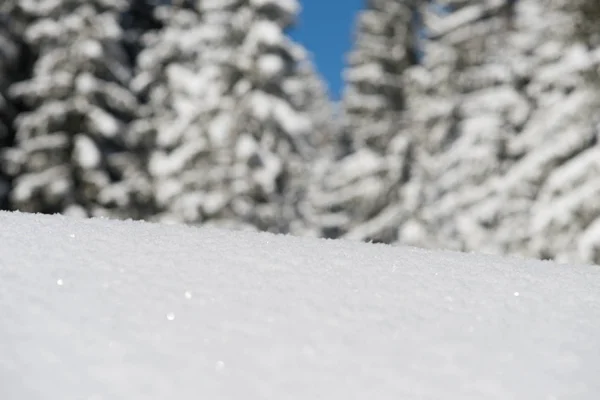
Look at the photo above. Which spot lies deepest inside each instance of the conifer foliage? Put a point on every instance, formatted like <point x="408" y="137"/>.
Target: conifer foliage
<point x="9" y="58"/>
<point x="561" y="140"/>
<point x="359" y="195"/>
<point x="9" y="61"/>
<point x="464" y="124"/>
<point x="69" y="154"/>
<point x="464" y="105"/>
<point x="510" y="129"/>
<point x="227" y="113"/>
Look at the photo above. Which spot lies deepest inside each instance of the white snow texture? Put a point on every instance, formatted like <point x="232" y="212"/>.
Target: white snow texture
<point x="100" y="309"/>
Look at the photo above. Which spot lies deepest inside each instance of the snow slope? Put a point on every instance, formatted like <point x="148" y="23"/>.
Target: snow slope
<point x="99" y="309"/>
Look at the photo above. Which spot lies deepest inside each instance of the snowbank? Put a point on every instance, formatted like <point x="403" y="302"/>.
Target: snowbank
<point x="98" y="309"/>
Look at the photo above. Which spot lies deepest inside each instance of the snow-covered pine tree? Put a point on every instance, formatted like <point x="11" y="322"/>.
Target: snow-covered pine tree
<point x="139" y="18"/>
<point x="69" y="154"/>
<point x="360" y="194"/>
<point x="464" y="103"/>
<point x="228" y="110"/>
<point x="9" y="62"/>
<point x="323" y="142"/>
<point x="512" y="174"/>
<point x="523" y="211"/>
<point x="560" y="141"/>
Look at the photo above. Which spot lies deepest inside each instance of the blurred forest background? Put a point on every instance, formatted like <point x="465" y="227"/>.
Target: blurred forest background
<point x="464" y="124"/>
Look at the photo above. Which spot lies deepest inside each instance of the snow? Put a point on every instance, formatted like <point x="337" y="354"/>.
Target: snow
<point x="287" y="8"/>
<point x="102" y="122"/>
<point x="270" y="67"/>
<point x="264" y="33"/>
<point x="86" y="153"/>
<point x="100" y="309"/>
<point x="292" y="121"/>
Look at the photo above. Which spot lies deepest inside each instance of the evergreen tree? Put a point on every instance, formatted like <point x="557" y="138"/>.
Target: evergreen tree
<point x="511" y="123"/>
<point x="521" y="211"/>
<point x="562" y="135"/>
<point x="360" y="193"/>
<point x="9" y="62"/>
<point x="69" y="154"/>
<point x="464" y="104"/>
<point x="227" y="110"/>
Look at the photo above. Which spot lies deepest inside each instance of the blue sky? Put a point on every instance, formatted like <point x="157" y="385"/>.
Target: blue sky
<point x="325" y="28"/>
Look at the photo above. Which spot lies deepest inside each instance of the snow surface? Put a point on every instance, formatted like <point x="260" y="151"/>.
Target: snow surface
<point x="99" y="309"/>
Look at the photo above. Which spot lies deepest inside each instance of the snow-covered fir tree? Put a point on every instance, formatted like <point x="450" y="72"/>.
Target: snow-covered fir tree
<point x="534" y="208"/>
<point x="464" y="124"/>
<point x="8" y="58"/>
<point x="463" y="102"/>
<point x="361" y="192"/>
<point x="139" y="18"/>
<point x="9" y="62"/>
<point x="69" y="154"/>
<point x="228" y="103"/>
<point x="560" y="142"/>
<point x="511" y="120"/>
